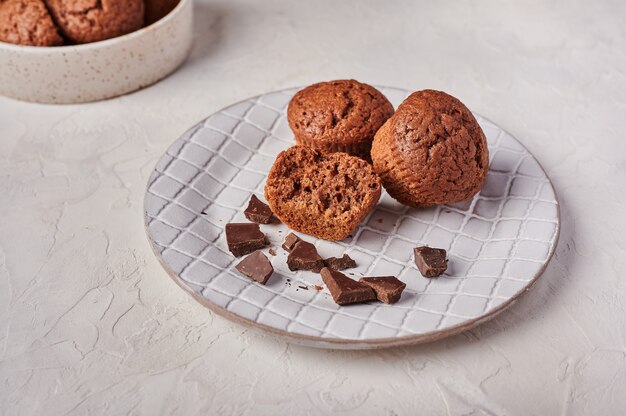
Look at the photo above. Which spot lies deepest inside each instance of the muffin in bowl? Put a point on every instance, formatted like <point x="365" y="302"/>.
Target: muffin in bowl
<point x="27" y="22"/>
<point x="84" y="21"/>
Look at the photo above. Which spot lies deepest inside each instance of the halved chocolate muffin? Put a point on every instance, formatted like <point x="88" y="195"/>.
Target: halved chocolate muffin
<point x="322" y="194"/>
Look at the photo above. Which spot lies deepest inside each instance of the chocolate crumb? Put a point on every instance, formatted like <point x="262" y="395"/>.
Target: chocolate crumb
<point x="431" y="262"/>
<point x="317" y="287"/>
<point x="340" y="263"/>
<point x="244" y="238"/>
<point x="256" y="266"/>
<point x="388" y="288"/>
<point x="258" y="212"/>
<point x="345" y="290"/>
<point x="303" y="287"/>
<point x="290" y="241"/>
<point x="304" y="256"/>
<point x="272" y="252"/>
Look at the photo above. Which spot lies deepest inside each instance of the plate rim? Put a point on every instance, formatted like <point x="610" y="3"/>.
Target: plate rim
<point x="343" y="343"/>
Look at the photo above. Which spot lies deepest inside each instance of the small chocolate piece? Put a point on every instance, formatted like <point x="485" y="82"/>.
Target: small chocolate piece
<point x="244" y="238"/>
<point x="258" y="212"/>
<point x="388" y="288"/>
<point x="290" y="241"/>
<point x="304" y="256"/>
<point x="345" y="290"/>
<point x="272" y="252"/>
<point x="256" y="266"/>
<point x="340" y="263"/>
<point x="431" y="262"/>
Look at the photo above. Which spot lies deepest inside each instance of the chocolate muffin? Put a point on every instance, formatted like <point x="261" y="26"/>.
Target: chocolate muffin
<point x="338" y="116"/>
<point x="432" y="151"/>
<point x="157" y="9"/>
<point x="27" y="22"/>
<point x="322" y="194"/>
<point x="84" y="21"/>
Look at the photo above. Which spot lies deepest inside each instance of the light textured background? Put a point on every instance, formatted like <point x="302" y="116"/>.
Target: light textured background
<point x="91" y="324"/>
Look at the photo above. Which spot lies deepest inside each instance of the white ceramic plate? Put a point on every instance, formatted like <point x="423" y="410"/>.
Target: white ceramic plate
<point x="498" y="243"/>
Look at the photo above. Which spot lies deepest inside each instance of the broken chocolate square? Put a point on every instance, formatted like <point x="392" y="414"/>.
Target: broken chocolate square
<point x="345" y="290"/>
<point x="258" y="212"/>
<point x="256" y="266"/>
<point x="340" y="263"/>
<point x="431" y="262"/>
<point x="244" y="238"/>
<point x="304" y="256"/>
<point x="388" y="288"/>
<point x="290" y="241"/>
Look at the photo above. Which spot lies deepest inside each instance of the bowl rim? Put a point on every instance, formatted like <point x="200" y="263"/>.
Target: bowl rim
<point x="101" y="43"/>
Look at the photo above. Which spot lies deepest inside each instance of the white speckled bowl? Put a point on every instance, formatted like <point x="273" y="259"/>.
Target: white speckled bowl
<point x="99" y="70"/>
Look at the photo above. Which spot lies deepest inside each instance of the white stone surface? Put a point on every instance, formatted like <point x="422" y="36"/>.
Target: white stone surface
<point x="91" y="324"/>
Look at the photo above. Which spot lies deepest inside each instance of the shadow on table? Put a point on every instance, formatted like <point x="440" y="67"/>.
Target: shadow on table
<point x="207" y="32"/>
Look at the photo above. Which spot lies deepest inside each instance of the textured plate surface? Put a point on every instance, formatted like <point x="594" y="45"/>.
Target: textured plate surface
<point x="498" y="243"/>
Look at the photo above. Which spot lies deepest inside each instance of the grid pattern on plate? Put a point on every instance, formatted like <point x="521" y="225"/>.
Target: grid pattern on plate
<point x="497" y="242"/>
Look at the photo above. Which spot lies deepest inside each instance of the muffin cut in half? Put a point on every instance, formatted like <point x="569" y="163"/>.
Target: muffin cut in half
<point x="338" y="116"/>
<point x="324" y="195"/>
<point x="431" y="151"/>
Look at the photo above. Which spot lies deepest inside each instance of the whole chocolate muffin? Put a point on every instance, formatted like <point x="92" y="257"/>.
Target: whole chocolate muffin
<point x="432" y="151"/>
<point x="84" y="21"/>
<point x="27" y="22"/>
<point x="338" y="116"/>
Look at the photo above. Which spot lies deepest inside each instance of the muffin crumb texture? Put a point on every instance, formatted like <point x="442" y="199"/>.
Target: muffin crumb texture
<point x="431" y="151"/>
<point x="324" y="195"/>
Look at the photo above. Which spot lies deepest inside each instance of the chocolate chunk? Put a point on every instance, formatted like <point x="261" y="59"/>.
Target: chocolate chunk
<point x="431" y="262"/>
<point x="340" y="263"/>
<point x="256" y="266"/>
<point x="244" y="238"/>
<point x="345" y="290"/>
<point x="258" y="212"/>
<point x="290" y="241"/>
<point x="388" y="288"/>
<point x="304" y="256"/>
